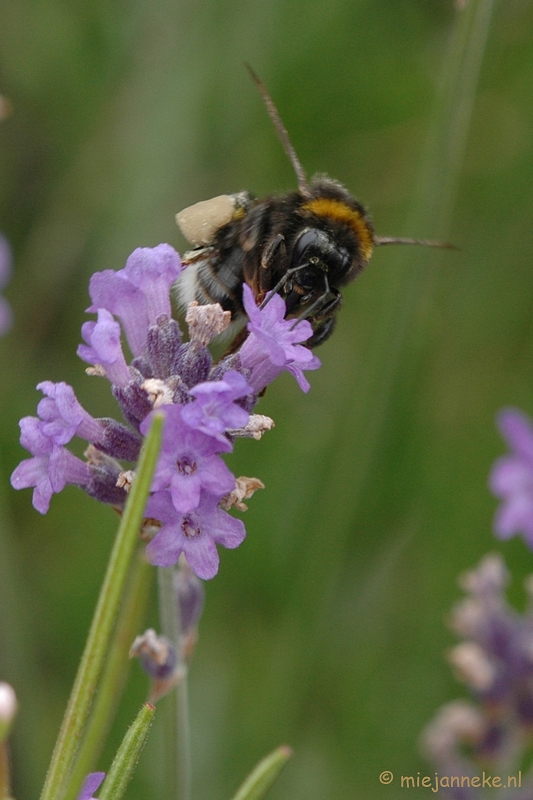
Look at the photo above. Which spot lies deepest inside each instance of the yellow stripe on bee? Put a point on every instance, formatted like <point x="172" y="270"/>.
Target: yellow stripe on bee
<point x="340" y="212"/>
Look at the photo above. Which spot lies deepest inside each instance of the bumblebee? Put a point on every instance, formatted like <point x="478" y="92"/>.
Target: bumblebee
<point x="304" y="245"/>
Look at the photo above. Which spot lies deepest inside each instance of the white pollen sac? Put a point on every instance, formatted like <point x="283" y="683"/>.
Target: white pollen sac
<point x="158" y="391"/>
<point x="125" y="479"/>
<point x="200" y="222"/>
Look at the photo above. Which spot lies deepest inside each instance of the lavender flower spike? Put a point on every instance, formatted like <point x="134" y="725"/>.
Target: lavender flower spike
<point x="90" y="785"/>
<point x="273" y="344"/>
<point x="511" y="478"/>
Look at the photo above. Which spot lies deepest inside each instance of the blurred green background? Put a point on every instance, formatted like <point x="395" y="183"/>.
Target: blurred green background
<point x="326" y="629"/>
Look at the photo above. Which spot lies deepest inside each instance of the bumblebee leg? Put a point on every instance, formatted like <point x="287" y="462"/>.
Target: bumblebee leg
<point x="319" y="302"/>
<point x="322" y="332"/>
<point x="324" y="322"/>
<point x="332" y="307"/>
<point x="272" y="250"/>
<point x="279" y="285"/>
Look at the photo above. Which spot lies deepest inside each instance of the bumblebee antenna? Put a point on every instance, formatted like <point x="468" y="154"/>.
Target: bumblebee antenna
<point x="379" y="240"/>
<point x="281" y="131"/>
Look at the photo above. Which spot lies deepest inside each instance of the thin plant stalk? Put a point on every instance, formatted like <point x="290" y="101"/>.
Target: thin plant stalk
<point x="177" y="728"/>
<point x="98" y="641"/>
<point x="447" y="140"/>
<point x="114" y="672"/>
<point x="5" y="771"/>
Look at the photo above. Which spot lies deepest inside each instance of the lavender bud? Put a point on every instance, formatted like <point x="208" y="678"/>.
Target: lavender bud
<point x="105" y="473"/>
<point x="143" y="366"/>
<point x="190" y="596"/>
<point x="133" y="401"/>
<point x="180" y="393"/>
<point x="193" y="363"/>
<point x="163" y="342"/>
<point x="156" y="654"/>
<point x="119" y="441"/>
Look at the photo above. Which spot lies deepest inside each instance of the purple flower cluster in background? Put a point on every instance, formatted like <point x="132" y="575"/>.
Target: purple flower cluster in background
<point x="206" y="406"/>
<point x="511" y="478"/>
<point x="495" y="660"/>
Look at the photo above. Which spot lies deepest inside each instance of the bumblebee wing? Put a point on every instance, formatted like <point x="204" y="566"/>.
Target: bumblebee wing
<point x="201" y="222"/>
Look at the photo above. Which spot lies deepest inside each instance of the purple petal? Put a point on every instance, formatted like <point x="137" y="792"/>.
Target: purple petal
<point x="510" y="475"/>
<point x="29" y="472"/>
<point x="226" y="530"/>
<point x="166" y="547"/>
<point x="139" y="293"/>
<point x="63" y="416"/>
<point x="34" y="472"/>
<point x="194" y="533"/>
<point x="185" y="492"/>
<point x="104" y="347"/>
<point x="517" y="430"/>
<point x="203" y="557"/>
<point x="112" y="291"/>
<point x="32" y="437"/>
<point x="90" y="785"/>
<point x="154" y="270"/>
<point x="515" y="516"/>
<point x="273" y="343"/>
<point x="216" y="478"/>
<point x="49" y="473"/>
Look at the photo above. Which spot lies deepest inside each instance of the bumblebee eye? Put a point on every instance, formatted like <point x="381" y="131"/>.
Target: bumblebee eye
<point x="316" y="247"/>
<point x="341" y="259"/>
<point x="311" y="241"/>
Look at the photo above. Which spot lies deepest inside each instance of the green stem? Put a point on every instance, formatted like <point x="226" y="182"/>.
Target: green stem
<point x="264" y="774"/>
<point x="183" y="754"/>
<point x="128" y="755"/>
<point x="103" y="621"/>
<point x="177" y="738"/>
<point x="114" y="673"/>
<point x="445" y="151"/>
<point x="5" y="782"/>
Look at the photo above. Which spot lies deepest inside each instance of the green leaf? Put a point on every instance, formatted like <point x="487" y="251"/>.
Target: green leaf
<point x="263" y="776"/>
<point x="128" y="754"/>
